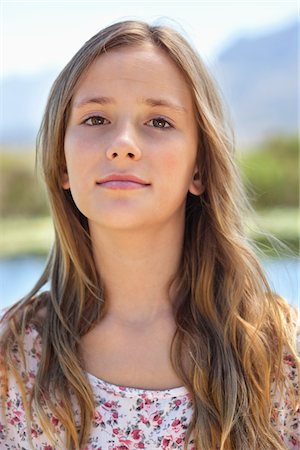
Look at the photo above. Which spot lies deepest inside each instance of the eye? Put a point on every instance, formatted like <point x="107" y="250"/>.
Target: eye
<point x="96" y="120"/>
<point x="159" y="122"/>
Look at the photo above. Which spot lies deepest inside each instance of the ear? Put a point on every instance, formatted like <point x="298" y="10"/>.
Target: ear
<point x="65" y="180"/>
<point x="196" y="187"/>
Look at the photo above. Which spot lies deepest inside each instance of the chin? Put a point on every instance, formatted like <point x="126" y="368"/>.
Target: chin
<point x="118" y="222"/>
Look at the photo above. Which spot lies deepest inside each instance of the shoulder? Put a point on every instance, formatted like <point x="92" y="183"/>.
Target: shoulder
<point x="32" y="347"/>
<point x="20" y="353"/>
<point x="23" y="352"/>
<point x="18" y="373"/>
<point x="285" y="401"/>
<point x="20" y="347"/>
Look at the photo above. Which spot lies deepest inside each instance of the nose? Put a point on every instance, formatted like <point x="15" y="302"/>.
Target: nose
<point x="124" y="145"/>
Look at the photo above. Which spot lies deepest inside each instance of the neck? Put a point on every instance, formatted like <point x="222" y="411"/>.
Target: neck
<point x="136" y="269"/>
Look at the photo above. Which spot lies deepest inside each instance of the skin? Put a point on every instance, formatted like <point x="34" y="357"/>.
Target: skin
<point x="136" y="229"/>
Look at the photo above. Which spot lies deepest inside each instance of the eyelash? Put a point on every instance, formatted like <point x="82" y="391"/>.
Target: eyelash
<point x="161" y="119"/>
<point x="94" y="117"/>
<point x="157" y="119"/>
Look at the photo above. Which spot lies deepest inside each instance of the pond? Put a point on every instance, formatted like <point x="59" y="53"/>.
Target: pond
<point x="17" y="277"/>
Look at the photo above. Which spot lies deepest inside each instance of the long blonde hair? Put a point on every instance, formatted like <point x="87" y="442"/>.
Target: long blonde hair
<point x="229" y="325"/>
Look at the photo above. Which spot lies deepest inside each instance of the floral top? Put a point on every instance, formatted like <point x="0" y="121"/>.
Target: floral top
<point x="127" y="418"/>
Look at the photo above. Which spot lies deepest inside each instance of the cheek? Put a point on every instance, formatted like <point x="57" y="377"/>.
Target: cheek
<point x="170" y="162"/>
<point x="80" y="154"/>
<point x="179" y="160"/>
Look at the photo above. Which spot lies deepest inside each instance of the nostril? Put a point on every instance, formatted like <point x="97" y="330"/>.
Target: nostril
<point x="131" y="155"/>
<point x="114" y="155"/>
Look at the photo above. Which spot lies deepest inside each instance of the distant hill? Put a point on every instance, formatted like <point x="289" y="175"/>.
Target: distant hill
<point x="24" y="99"/>
<point x="259" y="79"/>
<point x="257" y="75"/>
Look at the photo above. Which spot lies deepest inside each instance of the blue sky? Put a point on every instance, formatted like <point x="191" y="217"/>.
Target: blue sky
<point x="41" y="35"/>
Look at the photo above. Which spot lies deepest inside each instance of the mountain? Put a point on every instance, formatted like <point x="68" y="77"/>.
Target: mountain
<point x="23" y="99"/>
<point x="257" y="76"/>
<point x="259" y="80"/>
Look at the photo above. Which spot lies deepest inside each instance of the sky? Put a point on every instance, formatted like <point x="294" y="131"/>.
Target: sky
<point x="37" y="36"/>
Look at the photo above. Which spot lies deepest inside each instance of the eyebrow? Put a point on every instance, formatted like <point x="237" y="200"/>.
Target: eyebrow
<point x="163" y="102"/>
<point x="148" y="101"/>
<point x="97" y="100"/>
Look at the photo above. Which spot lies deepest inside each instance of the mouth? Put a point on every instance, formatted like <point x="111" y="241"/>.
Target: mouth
<point x="122" y="181"/>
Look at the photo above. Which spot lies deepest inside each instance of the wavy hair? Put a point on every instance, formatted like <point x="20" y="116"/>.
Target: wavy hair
<point x="230" y="327"/>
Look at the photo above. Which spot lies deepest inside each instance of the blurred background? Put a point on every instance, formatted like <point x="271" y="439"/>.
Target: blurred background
<point x="251" y="50"/>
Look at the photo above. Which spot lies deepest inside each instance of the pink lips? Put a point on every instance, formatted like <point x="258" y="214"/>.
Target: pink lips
<point x="122" y="181"/>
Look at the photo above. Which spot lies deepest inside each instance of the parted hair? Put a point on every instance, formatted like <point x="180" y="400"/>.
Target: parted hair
<point x="231" y="328"/>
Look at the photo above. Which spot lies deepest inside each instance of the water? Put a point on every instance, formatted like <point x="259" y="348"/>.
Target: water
<point x="17" y="277"/>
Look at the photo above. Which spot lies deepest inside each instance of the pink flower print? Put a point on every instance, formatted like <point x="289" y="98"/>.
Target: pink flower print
<point x="144" y="419"/>
<point x="54" y="421"/>
<point x="115" y="415"/>
<point x="294" y="441"/>
<point x="147" y="406"/>
<point x="141" y="445"/>
<point x="116" y="430"/>
<point x="157" y="419"/>
<point x="136" y="434"/>
<point x="178" y="402"/>
<point x="17" y="413"/>
<point x="165" y="443"/>
<point x="33" y="433"/>
<point x="48" y="447"/>
<point x="175" y="423"/>
<point x="289" y="360"/>
<point x="179" y="441"/>
<point x="16" y="418"/>
<point x="31" y="374"/>
<point x="108" y="404"/>
<point x="98" y="417"/>
<point x="125" y="443"/>
<point x="291" y="375"/>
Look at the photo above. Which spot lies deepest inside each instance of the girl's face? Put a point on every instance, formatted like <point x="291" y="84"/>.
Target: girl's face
<point x="131" y="141"/>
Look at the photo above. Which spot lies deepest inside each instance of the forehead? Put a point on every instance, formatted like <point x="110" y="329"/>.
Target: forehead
<point x="143" y="69"/>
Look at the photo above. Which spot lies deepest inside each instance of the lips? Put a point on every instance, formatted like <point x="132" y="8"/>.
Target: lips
<point x="122" y="181"/>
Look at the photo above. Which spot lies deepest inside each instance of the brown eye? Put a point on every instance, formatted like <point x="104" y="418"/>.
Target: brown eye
<point x="96" y="120"/>
<point x="159" y="122"/>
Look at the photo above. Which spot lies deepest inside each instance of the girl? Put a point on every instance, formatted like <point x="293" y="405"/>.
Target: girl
<point x="159" y="329"/>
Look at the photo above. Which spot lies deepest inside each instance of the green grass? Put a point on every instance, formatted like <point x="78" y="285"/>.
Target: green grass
<point x="33" y="236"/>
<point x="280" y="223"/>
